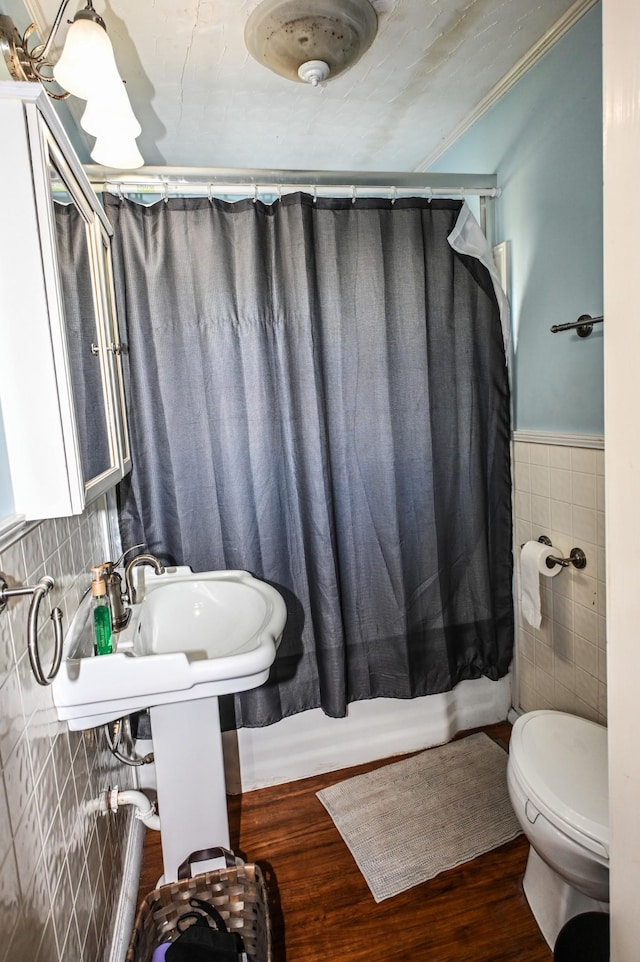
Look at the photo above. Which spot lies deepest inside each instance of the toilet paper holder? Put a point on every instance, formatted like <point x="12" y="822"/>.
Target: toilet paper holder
<point x="577" y="557"/>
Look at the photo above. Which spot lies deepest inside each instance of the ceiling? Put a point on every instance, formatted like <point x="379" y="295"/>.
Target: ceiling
<point x="204" y="101"/>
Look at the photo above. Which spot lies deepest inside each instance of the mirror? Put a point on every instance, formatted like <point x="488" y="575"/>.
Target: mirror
<point x="85" y="347"/>
<point x="115" y="346"/>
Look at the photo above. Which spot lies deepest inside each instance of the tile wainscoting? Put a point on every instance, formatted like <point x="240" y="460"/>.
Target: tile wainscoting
<point x="559" y="492"/>
<point x="60" y="862"/>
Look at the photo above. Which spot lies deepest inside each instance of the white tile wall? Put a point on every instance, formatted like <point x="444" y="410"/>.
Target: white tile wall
<point x="559" y="492"/>
<point x="60" y="864"/>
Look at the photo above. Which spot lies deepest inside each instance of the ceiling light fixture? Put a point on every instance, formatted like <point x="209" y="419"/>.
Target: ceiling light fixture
<point x="310" y="41"/>
<point x="87" y="69"/>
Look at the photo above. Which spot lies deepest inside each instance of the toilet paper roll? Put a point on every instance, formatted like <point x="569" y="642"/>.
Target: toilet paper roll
<point x="533" y="558"/>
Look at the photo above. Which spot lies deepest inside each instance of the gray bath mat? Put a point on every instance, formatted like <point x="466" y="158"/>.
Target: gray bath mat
<point x="409" y="821"/>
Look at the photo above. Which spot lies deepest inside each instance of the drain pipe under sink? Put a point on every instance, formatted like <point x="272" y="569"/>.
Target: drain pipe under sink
<point x="145" y="810"/>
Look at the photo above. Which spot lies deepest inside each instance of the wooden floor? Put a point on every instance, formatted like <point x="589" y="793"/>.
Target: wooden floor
<point x="321" y="908"/>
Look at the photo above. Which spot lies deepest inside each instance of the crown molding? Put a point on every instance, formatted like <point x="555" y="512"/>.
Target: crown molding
<point x="530" y="59"/>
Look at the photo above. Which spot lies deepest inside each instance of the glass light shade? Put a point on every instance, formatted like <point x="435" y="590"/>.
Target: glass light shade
<point x="87" y="62"/>
<point x="121" y="153"/>
<point x="284" y="34"/>
<point x="109" y="114"/>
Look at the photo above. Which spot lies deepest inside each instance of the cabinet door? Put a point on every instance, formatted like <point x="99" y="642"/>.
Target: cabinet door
<point x="72" y="258"/>
<point x="38" y="422"/>
<point x="60" y="366"/>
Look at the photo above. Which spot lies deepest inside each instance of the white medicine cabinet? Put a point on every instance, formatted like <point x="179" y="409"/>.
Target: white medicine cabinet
<point x="61" y="385"/>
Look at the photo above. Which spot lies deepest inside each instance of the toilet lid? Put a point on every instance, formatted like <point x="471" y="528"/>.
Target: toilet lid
<point x="560" y="761"/>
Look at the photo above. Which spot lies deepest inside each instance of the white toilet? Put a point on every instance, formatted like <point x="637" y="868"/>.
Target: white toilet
<point x="557" y="779"/>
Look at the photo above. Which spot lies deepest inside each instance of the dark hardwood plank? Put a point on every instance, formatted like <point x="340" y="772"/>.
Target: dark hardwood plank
<point x="322" y="910"/>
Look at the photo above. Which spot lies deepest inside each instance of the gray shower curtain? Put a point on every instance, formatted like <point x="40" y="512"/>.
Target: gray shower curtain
<point x="318" y="393"/>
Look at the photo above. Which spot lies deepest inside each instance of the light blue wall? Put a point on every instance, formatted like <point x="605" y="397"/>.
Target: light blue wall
<point x="544" y="141"/>
<point x="17" y="10"/>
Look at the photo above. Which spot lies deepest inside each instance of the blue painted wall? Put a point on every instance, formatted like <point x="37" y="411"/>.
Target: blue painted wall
<point x="544" y="141"/>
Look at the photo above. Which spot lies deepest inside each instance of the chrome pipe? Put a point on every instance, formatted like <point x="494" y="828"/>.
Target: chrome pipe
<point x="247" y="178"/>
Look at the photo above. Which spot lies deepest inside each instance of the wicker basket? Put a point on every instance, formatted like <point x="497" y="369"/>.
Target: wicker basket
<point x="237" y="891"/>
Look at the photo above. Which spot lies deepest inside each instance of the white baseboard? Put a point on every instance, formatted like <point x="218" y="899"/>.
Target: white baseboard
<point x="311" y="743"/>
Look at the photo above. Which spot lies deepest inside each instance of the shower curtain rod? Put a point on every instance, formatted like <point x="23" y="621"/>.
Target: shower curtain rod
<point x="208" y="181"/>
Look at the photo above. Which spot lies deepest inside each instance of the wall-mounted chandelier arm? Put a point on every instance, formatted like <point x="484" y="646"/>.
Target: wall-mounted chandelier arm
<point x="29" y="63"/>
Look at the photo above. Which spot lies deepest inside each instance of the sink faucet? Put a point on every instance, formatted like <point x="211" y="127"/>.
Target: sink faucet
<point x="141" y="559"/>
<point x="120" y="613"/>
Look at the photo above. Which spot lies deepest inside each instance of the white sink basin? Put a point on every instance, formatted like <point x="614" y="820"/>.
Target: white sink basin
<point x="191" y="635"/>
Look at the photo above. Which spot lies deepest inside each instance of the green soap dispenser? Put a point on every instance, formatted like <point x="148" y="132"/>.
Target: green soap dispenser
<point x="101" y="612"/>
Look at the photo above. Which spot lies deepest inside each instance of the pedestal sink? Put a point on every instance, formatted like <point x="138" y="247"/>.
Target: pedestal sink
<point x="191" y="637"/>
